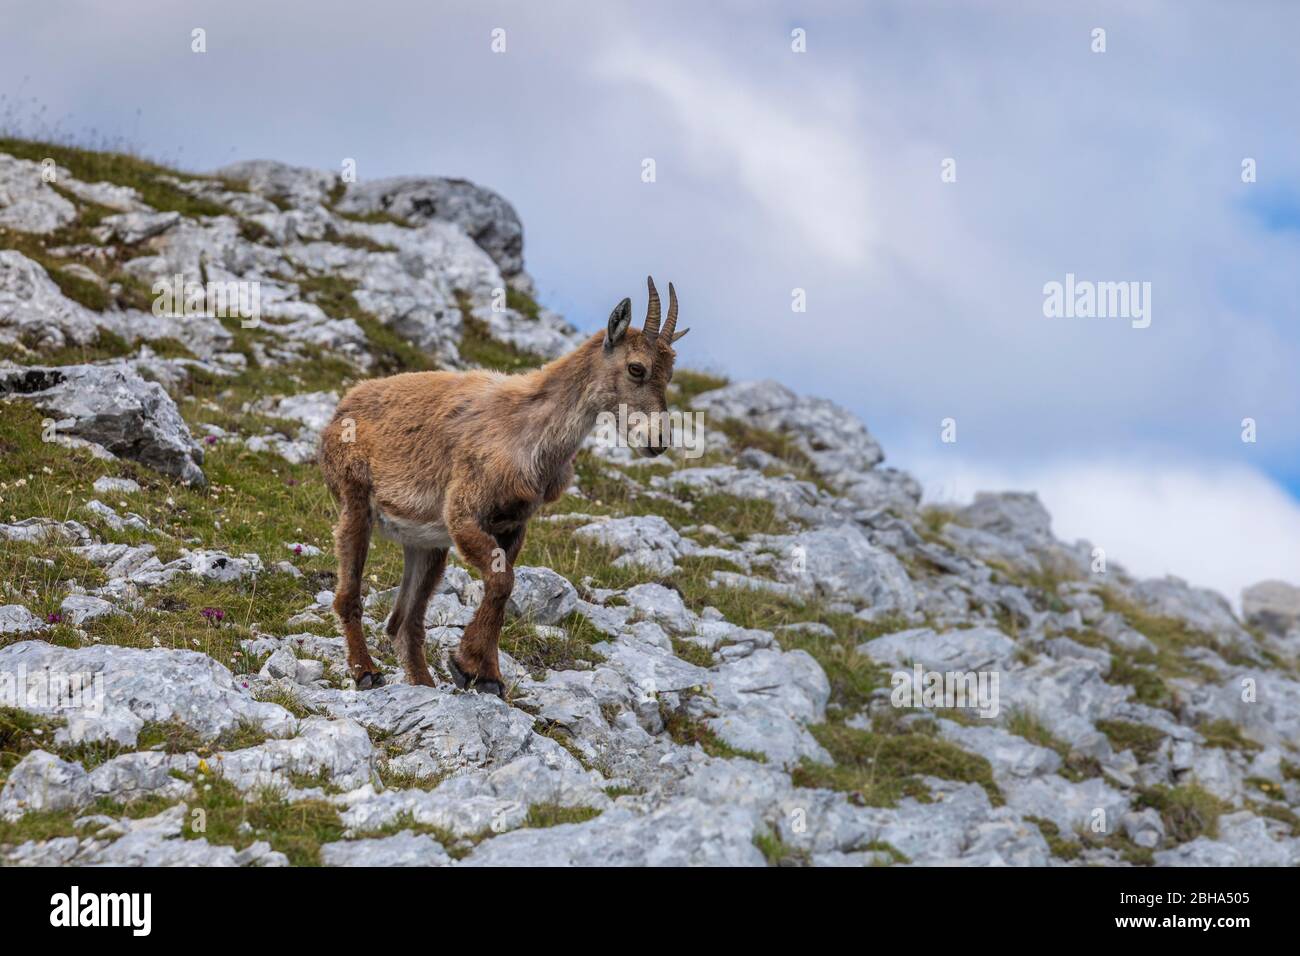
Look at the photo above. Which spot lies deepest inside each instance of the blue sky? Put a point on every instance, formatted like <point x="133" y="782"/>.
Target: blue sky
<point x="821" y="171"/>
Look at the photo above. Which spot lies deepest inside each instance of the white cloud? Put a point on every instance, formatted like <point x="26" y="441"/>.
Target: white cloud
<point x="1219" y="526"/>
<point x="793" y="155"/>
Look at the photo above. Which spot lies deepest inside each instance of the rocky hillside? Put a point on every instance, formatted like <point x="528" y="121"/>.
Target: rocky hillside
<point x="705" y="655"/>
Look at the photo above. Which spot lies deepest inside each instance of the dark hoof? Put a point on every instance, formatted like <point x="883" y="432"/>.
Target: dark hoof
<point x="370" y="680"/>
<point x="466" y="682"/>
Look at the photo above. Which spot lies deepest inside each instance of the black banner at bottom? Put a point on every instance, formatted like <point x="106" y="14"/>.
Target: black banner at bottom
<point x="140" y="907"/>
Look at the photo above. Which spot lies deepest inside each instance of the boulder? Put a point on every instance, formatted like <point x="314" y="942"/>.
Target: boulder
<point x="541" y="596"/>
<point x="400" y="849"/>
<point x="1273" y="606"/>
<point x="644" y="541"/>
<point x="16" y="619"/>
<point x="968" y="649"/>
<point x="840" y="562"/>
<point x="133" y="227"/>
<point x="293" y="185"/>
<point x="78" y="609"/>
<point x="837" y="443"/>
<point x="35" y="312"/>
<point x="124" y="687"/>
<point x="113" y="407"/>
<point x="1200" y="608"/>
<point x="664" y="606"/>
<point x="682" y="833"/>
<point x="1016" y="515"/>
<point x="482" y="214"/>
<point x="27" y="202"/>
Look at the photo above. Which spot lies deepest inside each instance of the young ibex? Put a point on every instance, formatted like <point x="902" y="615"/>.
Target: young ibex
<point x="435" y="459"/>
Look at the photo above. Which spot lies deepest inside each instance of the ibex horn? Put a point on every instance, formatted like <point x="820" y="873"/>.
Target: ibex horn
<point x="651" y="328"/>
<point x="671" y="324"/>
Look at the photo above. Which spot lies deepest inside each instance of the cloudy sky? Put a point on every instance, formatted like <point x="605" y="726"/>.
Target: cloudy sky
<point x="822" y="171"/>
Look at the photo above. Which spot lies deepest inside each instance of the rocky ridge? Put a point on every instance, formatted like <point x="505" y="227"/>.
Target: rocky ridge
<point x="702" y="653"/>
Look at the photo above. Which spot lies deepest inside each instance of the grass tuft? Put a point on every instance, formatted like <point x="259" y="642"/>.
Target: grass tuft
<point x="878" y="769"/>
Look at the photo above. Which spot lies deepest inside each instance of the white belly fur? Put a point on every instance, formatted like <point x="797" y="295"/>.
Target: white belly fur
<point x="416" y="534"/>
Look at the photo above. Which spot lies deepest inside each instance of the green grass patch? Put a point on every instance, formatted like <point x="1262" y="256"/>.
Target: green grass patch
<point x="538" y="653"/>
<point x="688" y="731"/>
<point x="285" y="698"/>
<point x="933" y="520"/>
<point x="1188" y="811"/>
<point x="355" y="241"/>
<point x="478" y="347"/>
<point x="120" y="289"/>
<point x="457" y="847"/>
<point x="1065" y="848"/>
<point x="1148" y="686"/>
<point x="779" y="853"/>
<point x="541" y="815"/>
<point x="374" y="218"/>
<point x="1062" y="848"/>
<point x="522" y="302"/>
<point x="22" y="732"/>
<point x="612" y="491"/>
<point x="687" y="384"/>
<point x="147" y="178"/>
<point x="1278" y="812"/>
<point x="295" y="828"/>
<point x="878" y="769"/>
<point x="738" y="516"/>
<point x="42" y="825"/>
<point x="408" y="779"/>
<point x="170" y="737"/>
<point x="1224" y="734"/>
<point x="1123" y="735"/>
<point x="692" y="653"/>
<point x="552" y="544"/>
<point x="1172" y="638"/>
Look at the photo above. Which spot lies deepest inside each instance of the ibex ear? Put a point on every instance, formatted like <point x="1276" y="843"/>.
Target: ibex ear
<point x="619" y="320"/>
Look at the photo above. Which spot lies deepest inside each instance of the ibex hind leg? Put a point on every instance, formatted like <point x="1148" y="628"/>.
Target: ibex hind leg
<point x="352" y="545"/>
<point x="411" y="569"/>
<point x="420" y="576"/>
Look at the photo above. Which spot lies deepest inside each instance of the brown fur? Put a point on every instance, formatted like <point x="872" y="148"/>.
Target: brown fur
<point x="474" y="453"/>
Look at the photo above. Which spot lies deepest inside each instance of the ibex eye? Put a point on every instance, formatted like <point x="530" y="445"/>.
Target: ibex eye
<point x="636" y="370"/>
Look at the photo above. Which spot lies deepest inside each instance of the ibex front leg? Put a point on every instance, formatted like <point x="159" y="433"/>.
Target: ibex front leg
<point x="476" y="663"/>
